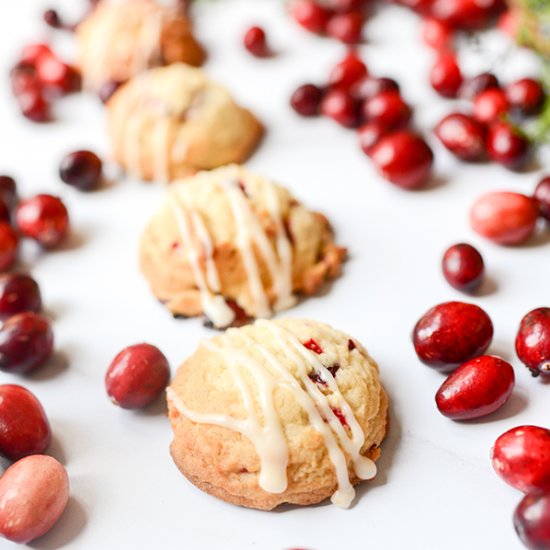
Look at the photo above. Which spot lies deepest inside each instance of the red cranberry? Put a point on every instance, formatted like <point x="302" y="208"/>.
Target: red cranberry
<point x="403" y="158"/>
<point x="445" y="76"/>
<point x="532" y="520"/>
<point x="341" y="107"/>
<point x="466" y="14"/>
<point x="24" y="427"/>
<point x="51" y="18"/>
<point x="477" y="388"/>
<point x="5" y="213"/>
<point x="32" y="52"/>
<point x="542" y="196"/>
<point x="137" y="376"/>
<point x="81" y="169"/>
<point x="346" y="27"/>
<point x="490" y="105"/>
<point x="18" y="292"/>
<point x="370" y="134"/>
<point x="9" y="243"/>
<point x="387" y="108"/>
<point x="508" y="146"/>
<point x="533" y="341"/>
<point x="343" y="6"/>
<point x="436" y="34"/>
<point x="463" y="267"/>
<point x="463" y="135"/>
<point x="419" y="6"/>
<point x="26" y="341"/>
<point x="43" y="218"/>
<point x="255" y="42"/>
<point x="23" y="78"/>
<point x="526" y="96"/>
<point x="33" y="105"/>
<point x="8" y="185"/>
<point x="108" y="89"/>
<point x="521" y="457"/>
<point x="472" y="87"/>
<point x="56" y="75"/>
<point x="310" y="15"/>
<point x="504" y="217"/>
<point x="369" y="87"/>
<point x="306" y="100"/>
<point x="452" y="333"/>
<point x="348" y="72"/>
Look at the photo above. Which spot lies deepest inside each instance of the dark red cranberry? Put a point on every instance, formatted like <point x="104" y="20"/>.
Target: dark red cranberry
<point x="370" y="134"/>
<point x="533" y="341"/>
<point x="445" y="76"/>
<point x="51" y="18"/>
<point x="339" y="414"/>
<point x="452" y="333"/>
<point x="24" y="426"/>
<point x="389" y="108"/>
<point x="344" y="6"/>
<point x="32" y="52"/>
<point x="81" y="169"/>
<point x="341" y="107"/>
<point x="306" y="100"/>
<point x="310" y="15"/>
<point x="463" y="135"/>
<point x="5" y="212"/>
<point x="463" y="267"/>
<point x="507" y="146"/>
<point x="108" y="89"/>
<point x="526" y="96"/>
<point x="18" y="292"/>
<point x="472" y="87"/>
<point x="43" y="218"/>
<point x="542" y="196"/>
<point x="436" y="34"/>
<point x="8" y="185"/>
<point x="351" y="345"/>
<point x="466" y="14"/>
<point x="521" y="457"/>
<point x="346" y="27"/>
<point x="369" y="87"/>
<point x="477" y="388"/>
<point x="403" y="158"/>
<point x="137" y="376"/>
<point x="312" y="345"/>
<point x="348" y="72"/>
<point x="255" y="41"/>
<point x="490" y="105"/>
<point x="532" y="520"/>
<point x="33" y="105"/>
<point x="9" y="244"/>
<point x="26" y="341"/>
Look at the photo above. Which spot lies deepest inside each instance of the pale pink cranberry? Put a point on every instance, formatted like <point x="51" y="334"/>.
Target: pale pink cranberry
<point x="452" y="333"/>
<point x="137" y="376"/>
<point x="521" y="457"/>
<point x="533" y="341"/>
<point x="463" y="267"/>
<point x="532" y="520"/>
<point x="446" y="76"/>
<point x="24" y="426"/>
<point x="477" y="388"/>
<point x="504" y="217"/>
<point x="33" y="494"/>
<point x="43" y="218"/>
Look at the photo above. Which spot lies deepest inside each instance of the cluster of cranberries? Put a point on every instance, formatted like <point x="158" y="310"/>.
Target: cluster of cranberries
<point x="340" y="19"/>
<point x="38" y="78"/>
<point x="354" y="98"/>
<point x="510" y="218"/>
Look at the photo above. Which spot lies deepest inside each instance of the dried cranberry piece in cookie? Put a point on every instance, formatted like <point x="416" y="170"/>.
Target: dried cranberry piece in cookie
<point x="340" y="416"/>
<point x="312" y="345"/>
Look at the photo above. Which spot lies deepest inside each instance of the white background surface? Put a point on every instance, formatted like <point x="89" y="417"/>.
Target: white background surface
<point x="436" y="488"/>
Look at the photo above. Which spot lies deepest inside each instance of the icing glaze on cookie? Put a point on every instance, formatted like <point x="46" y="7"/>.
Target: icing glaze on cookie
<point x="267" y="436"/>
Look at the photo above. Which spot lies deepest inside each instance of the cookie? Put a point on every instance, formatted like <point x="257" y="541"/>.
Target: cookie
<point x="172" y="121"/>
<point x="120" y="39"/>
<point x="287" y="411"/>
<point x="231" y="245"/>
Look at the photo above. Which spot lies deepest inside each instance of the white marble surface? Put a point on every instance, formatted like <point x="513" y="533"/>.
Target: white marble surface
<point x="436" y="489"/>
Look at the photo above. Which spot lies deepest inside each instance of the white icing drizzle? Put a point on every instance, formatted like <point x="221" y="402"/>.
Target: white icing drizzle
<point x="268" y="438"/>
<point x="214" y="305"/>
<point x="250" y="232"/>
<point x="148" y="42"/>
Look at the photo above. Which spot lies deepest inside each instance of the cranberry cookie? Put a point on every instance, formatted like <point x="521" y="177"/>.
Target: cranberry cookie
<point x="231" y="245"/>
<point x="120" y="39"/>
<point x="288" y="411"/>
<point x="172" y="121"/>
